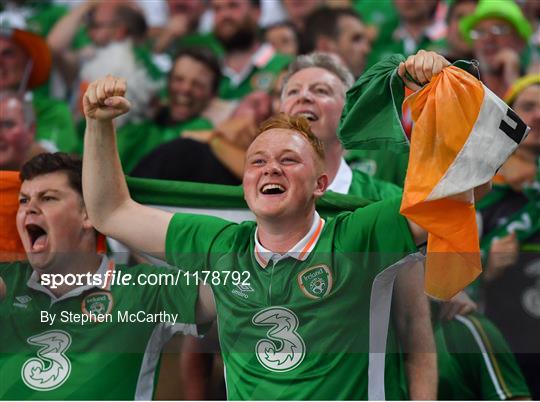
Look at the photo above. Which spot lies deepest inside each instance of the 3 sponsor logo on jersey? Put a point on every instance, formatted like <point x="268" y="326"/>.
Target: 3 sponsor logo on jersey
<point x="22" y="301"/>
<point x="283" y="348"/>
<point x="530" y="298"/>
<point x="315" y="282"/>
<point x="97" y="305"/>
<point x="50" y="368"/>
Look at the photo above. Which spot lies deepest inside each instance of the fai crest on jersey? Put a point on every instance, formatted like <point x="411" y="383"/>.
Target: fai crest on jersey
<point x="97" y="304"/>
<point x="262" y="81"/>
<point x="315" y="282"/>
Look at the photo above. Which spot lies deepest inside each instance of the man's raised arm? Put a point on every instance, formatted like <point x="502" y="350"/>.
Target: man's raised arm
<point x="110" y="207"/>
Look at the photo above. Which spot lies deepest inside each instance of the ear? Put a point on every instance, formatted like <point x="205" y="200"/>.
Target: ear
<point x="32" y="130"/>
<point x="257" y="14"/>
<point x="87" y="225"/>
<point x="30" y="135"/>
<point x="322" y="185"/>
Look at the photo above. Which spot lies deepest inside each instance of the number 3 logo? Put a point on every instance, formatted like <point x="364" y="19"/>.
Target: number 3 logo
<point x="285" y="349"/>
<point x="51" y="368"/>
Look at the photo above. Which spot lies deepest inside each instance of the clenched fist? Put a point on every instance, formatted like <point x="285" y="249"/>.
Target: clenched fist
<point x="105" y="99"/>
<point x="420" y="68"/>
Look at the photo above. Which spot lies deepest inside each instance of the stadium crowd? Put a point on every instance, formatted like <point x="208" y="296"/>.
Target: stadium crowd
<point x="194" y="88"/>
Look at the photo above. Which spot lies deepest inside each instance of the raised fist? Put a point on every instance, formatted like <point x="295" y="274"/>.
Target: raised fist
<point x="418" y="69"/>
<point x="105" y="99"/>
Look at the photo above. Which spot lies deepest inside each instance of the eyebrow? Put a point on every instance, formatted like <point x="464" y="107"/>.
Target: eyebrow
<point x="264" y="153"/>
<point x="50" y="190"/>
<point x="290" y="150"/>
<point x="261" y="152"/>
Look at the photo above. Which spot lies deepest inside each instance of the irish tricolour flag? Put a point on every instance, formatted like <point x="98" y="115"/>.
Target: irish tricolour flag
<point x="462" y="134"/>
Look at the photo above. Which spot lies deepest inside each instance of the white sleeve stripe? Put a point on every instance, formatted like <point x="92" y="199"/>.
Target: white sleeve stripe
<point x="485" y="355"/>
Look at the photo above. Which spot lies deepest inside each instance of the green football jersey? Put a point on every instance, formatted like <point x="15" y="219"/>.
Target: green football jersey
<point x="265" y="69"/>
<point x="95" y="342"/>
<point x="383" y="165"/>
<point x="369" y="188"/>
<point x="136" y="140"/>
<point x="310" y="324"/>
<point x="474" y="361"/>
<point x="55" y="128"/>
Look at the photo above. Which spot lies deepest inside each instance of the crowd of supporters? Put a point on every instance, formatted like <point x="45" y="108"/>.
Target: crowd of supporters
<point x="204" y="74"/>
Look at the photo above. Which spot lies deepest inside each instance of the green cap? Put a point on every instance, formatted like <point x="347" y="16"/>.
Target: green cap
<point x="504" y="9"/>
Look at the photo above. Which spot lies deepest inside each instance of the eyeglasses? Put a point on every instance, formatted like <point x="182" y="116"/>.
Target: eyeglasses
<point x="495" y="30"/>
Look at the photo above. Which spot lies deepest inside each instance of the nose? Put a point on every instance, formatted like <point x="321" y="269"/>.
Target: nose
<point x="305" y="95"/>
<point x="184" y="87"/>
<point x="272" y="168"/>
<point x="31" y="207"/>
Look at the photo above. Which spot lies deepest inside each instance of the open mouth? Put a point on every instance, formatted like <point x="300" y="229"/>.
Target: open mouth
<point x="38" y="237"/>
<point x="272" y="189"/>
<point x="182" y="100"/>
<point x="310" y="116"/>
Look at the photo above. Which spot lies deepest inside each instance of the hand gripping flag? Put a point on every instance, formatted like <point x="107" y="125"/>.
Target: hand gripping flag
<point x="462" y="134"/>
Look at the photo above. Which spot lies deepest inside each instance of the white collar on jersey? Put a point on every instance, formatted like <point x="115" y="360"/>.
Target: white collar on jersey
<point x="260" y="58"/>
<point x="299" y="251"/>
<point x="105" y="266"/>
<point x="343" y="180"/>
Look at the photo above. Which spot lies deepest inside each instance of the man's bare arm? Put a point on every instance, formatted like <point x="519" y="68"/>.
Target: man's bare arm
<point x="3" y="290"/>
<point x="109" y="205"/>
<point x="61" y="37"/>
<point x="413" y="319"/>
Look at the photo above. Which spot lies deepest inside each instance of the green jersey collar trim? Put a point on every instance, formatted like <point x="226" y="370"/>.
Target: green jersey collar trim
<point x="105" y="266"/>
<point x="300" y="251"/>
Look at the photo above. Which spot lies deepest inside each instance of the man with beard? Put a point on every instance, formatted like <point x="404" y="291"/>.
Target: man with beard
<point x="248" y="65"/>
<point x="511" y="239"/>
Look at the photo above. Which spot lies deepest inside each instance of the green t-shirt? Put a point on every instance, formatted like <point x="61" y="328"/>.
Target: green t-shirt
<point x="136" y="140"/>
<point x="261" y="78"/>
<point x="204" y="40"/>
<point x="303" y="327"/>
<point x="475" y="363"/>
<point x="384" y="47"/>
<point x="369" y="188"/>
<point x="383" y="165"/>
<point x="97" y="360"/>
<point x="54" y="124"/>
<point x="44" y="16"/>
